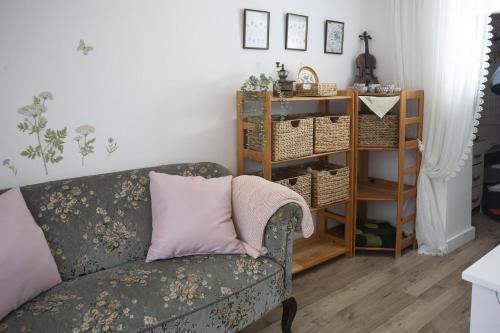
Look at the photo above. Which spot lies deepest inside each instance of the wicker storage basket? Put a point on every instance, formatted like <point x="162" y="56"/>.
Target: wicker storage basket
<point x="375" y="131"/>
<point x="332" y="133"/>
<point x="299" y="182"/>
<point x="330" y="183"/>
<point x="292" y="137"/>
<point x="316" y="89"/>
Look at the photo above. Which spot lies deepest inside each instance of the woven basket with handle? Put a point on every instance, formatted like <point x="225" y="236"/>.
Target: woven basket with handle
<point x="292" y="137"/>
<point x="332" y="133"/>
<point x="299" y="182"/>
<point x="330" y="183"/>
<point x="375" y="131"/>
<point x="316" y="89"/>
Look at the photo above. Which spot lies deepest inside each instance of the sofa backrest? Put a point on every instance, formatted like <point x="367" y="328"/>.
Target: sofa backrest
<point x="97" y="222"/>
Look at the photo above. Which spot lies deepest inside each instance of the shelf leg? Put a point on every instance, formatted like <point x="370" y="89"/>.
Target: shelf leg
<point x="266" y="162"/>
<point x="401" y="175"/>
<point x="239" y="134"/>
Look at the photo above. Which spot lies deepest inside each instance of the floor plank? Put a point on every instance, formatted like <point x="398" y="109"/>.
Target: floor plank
<point x="375" y="293"/>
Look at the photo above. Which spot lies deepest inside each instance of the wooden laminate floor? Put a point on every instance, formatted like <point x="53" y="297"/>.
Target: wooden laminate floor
<point x="375" y="293"/>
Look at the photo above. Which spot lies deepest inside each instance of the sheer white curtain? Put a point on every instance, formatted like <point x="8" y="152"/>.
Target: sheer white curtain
<point x="440" y="47"/>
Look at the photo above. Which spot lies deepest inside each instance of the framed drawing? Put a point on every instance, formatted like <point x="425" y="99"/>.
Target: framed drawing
<point x="296" y="32"/>
<point x="256" y="29"/>
<point x="334" y="37"/>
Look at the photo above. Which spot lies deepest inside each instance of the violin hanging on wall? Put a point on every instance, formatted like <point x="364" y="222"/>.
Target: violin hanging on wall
<point x="365" y="64"/>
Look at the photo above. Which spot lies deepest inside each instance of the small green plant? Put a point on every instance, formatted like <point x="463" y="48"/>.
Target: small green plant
<point x="50" y="143"/>
<point x="85" y="143"/>
<point x="6" y="163"/>
<point x="111" y="147"/>
<point x="260" y="84"/>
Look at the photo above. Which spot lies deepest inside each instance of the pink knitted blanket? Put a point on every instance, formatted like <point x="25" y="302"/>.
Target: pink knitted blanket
<point x="255" y="200"/>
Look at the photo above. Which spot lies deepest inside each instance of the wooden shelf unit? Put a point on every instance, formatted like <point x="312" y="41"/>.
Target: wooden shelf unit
<point x="320" y="247"/>
<point x="373" y="189"/>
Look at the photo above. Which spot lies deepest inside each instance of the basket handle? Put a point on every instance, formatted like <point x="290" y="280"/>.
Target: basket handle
<point x="475" y="179"/>
<point x="334" y="119"/>
<point x="333" y="172"/>
<point x="292" y="181"/>
<point x="475" y="200"/>
<point x="295" y="123"/>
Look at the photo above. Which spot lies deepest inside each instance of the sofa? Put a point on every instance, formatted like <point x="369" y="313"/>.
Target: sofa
<point x="99" y="229"/>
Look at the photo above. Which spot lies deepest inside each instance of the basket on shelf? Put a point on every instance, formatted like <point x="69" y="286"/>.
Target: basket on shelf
<point x="292" y="137"/>
<point x="332" y="133"/>
<point x="316" y="89"/>
<point x="380" y="132"/>
<point x="330" y="183"/>
<point x="295" y="179"/>
<point x="299" y="182"/>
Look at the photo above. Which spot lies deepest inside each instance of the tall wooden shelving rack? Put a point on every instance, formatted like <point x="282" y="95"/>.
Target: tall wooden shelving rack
<point x="373" y="189"/>
<point x="322" y="246"/>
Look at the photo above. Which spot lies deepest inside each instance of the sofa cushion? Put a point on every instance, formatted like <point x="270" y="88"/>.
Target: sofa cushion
<point x="97" y="222"/>
<point x="206" y="293"/>
<point x="191" y="215"/>
<point x="26" y="266"/>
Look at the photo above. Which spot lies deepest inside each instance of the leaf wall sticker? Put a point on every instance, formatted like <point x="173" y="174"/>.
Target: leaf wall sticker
<point x="6" y="163"/>
<point x="84" y="141"/>
<point x="111" y="147"/>
<point x="84" y="48"/>
<point x="49" y="145"/>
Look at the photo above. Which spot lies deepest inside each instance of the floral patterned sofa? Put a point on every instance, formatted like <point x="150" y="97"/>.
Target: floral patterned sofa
<point x="99" y="230"/>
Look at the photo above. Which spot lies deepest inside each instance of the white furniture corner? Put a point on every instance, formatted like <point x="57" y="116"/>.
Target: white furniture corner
<point x="485" y="308"/>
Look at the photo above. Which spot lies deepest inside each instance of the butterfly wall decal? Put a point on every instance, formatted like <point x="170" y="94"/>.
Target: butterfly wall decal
<point x="84" y="48"/>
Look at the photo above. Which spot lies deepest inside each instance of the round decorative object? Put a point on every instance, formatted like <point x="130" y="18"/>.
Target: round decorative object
<point x="307" y="75"/>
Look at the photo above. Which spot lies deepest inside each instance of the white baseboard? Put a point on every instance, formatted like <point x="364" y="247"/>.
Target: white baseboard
<point x="461" y="239"/>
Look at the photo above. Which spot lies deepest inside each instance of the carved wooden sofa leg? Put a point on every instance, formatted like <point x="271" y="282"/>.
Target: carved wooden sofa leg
<point x="289" y="311"/>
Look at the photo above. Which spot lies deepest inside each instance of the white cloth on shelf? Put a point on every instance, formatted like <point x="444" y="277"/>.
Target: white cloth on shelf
<point x="380" y="105"/>
<point x="495" y="166"/>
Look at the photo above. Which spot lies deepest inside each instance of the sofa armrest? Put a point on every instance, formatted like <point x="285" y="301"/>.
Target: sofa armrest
<point x="278" y="239"/>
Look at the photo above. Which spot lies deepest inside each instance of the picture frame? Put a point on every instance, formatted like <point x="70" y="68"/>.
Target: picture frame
<point x="334" y="37"/>
<point x="256" y="29"/>
<point x="296" y="32"/>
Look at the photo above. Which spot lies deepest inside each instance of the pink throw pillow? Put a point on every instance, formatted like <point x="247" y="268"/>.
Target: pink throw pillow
<point x="26" y="265"/>
<point x="191" y="215"/>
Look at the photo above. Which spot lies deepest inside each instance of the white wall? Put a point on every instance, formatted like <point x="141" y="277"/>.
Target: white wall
<point x="161" y="78"/>
<point x="458" y="208"/>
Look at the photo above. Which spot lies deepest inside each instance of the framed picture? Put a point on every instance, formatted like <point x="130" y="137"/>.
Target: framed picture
<point x="256" y="29"/>
<point x="334" y="37"/>
<point x="296" y="32"/>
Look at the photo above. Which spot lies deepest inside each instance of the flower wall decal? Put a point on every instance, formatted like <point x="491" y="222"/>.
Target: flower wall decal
<point x="6" y="163"/>
<point x="85" y="143"/>
<point x="111" y="147"/>
<point x="84" y="48"/>
<point x="50" y="143"/>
